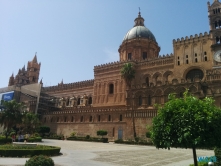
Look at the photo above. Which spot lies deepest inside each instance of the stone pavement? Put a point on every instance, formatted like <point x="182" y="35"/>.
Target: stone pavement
<point x="76" y="153"/>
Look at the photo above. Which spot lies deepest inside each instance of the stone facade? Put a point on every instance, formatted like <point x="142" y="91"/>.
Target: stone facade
<point x="106" y="103"/>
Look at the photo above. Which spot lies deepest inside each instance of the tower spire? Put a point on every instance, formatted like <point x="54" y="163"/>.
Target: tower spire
<point x="35" y="58"/>
<point x="139" y="21"/>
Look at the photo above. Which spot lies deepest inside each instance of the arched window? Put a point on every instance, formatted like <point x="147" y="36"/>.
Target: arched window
<point x="90" y="100"/>
<point x="205" y="58"/>
<point x="149" y="100"/>
<point x="187" y="61"/>
<point x="140" y="100"/>
<point x="186" y="56"/>
<point x="147" y="81"/>
<point x="79" y="101"/>
<point x="65" y="119"/>
<point x="99" y="118"/>
<point x="129" y="56"/>
<point x="205" y="53"/>
<point x="82" y="118"/>
<point x="67" y="103"/>
<point x="72" y="119"/>
<point x="195" y="73"/>
<point x="144" y="55"/>
<point x="111" y="88"/>
<point x="90" y="119"/>
<point x="121" y="118"/>
<point x="109" y="117"/>
<point x="196" y="60"/>
<point x="178" y="63"/>
<point x="195" y="54"/>
<point x="57" y="119"/>
<point x="178" y="57"/>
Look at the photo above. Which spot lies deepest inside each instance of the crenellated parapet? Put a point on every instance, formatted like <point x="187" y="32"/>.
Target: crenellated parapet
<point x="111" y="65"/>
<point x="61" y="86"/>
<point x="192" y="39"/>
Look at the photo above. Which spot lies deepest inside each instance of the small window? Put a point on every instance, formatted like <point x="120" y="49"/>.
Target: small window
<point x="144" y="55"/>
<point x="72" y="119"/>
<point x="57" y="119"/>
<point x="121" y="118"/>
<point x="187" y="61"/>
<point x="186" y="56"/>
<point x="178" y="58"/>
<point x="195" y="54"/>
<point x="99" y="118"/>
<point x="82" y="118"/>
<point x="140" y="100"/>
<point x="129" y="56"/>
<point x="79" y="101"/>
<point x="90" y="100"/>
<point x="90" y="119"/>
<point x="147" y="81"/>
<point x="65" y="119"/>
<point x="205" y="53"/>
<point x="196" y="60"/>
<point x="205" y="58"/>
<point x="111" y="88"/>
<point x="178" y="63"/>
<point x="149" y="100"/>
<point x="109" y="117"/>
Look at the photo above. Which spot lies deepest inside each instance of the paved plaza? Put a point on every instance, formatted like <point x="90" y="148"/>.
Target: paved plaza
<point x="76" y="153"/>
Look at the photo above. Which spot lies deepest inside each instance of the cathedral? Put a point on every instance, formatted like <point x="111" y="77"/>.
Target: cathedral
<point x="105" y="103"/>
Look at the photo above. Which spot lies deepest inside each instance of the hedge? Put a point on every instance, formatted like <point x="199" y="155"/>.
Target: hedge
<point x="120" y="141"/>
<point x="20" y="151"/>
<point x="90" y="139"/>
<point x="40" y="161"/>
<point x="3" y="140"/>
<point x="57" y="137"/>
<point x="217" y="152"/>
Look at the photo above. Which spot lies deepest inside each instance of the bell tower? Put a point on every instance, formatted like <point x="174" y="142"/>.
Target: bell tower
<point x="33" y="70"/>
<point x="214" y="14"/>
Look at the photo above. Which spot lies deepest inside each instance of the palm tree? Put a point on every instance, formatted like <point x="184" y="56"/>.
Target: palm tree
<point x="128" y="74"/>
<point x="11" y="115"/>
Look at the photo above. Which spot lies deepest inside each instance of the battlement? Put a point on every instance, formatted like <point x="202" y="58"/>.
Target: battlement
<point x="110" y="65"/>
<point x="73" y="85"/>
<point x="192" y="38"/>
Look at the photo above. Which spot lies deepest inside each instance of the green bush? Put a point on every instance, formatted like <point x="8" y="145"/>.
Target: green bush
<point x="20" y="151"/>
<point x="102" y="132"/>
<point x="34" y="139"/>
<point x="40" y="161"/>
<point x="3" y="140"/>
<point x="90" y="139"/>
<point x="87" y="137"/>
<point x="73" y="134"/>
<point x="200" y="164"/>
<point x="217" y="152"/>
<point x="148" y="134"/>
<point x="120" y="141"/>
<point x="137" y="139"/>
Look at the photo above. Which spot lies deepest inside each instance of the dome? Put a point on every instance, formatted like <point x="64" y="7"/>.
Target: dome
<point x="139" y="31"/>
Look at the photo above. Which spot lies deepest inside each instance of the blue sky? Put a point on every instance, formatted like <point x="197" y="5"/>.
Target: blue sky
<point x="72" y="36"/>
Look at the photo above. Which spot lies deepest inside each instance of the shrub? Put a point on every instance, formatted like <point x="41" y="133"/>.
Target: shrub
<point x="137" y="139"/>
<point x="217" y="152"/>
<point x="3" y="140"/>
<point x="87" y="137"/>
<point x="102" y="132"/>
<point x="20" y="151"/>
<point x="73" y="134"/>
<point x="34" y="139"/>
<point x="148" y="134"/>
<point x="200" y="164"/>
<point x="40" y="161"/>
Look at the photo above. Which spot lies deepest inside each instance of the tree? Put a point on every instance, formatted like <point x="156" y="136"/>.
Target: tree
<point x="43" y="130"/>
<point x="11" y="115"/>
<point x="30" y="122"/>
<point x="128" y="74"/>
<point x="102" y="132"/>
<point x="187" y="122"/>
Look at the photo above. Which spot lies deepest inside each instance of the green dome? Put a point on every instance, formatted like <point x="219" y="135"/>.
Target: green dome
<point x="139" y="32"/>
